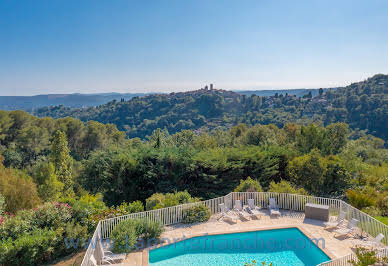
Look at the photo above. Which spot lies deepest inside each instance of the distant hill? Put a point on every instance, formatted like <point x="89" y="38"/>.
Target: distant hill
<point x="296" y="92"/>
<point x="77" y="100"/>
<point x="363" y="105"/>
<point x="30" y="103"/>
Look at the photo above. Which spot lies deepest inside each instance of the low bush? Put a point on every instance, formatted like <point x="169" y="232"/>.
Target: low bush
<point x="146" y="229"/>
<point x="159" y="200"/>
<point x="14" y="226"/>
<point x="285" y="187"/>
<point x="126" y="208"/>
<point x="126" y="234"/>
<point x="196" y="214"/>
<point x="29" y="249"/>
<point x="124" y="237"/>
<point x="75" y="236"/>
<point x="46" y="227"/>
<point x="106" y="213"/>
<point x="52" y="215"/>
<point x="248" y="185"/>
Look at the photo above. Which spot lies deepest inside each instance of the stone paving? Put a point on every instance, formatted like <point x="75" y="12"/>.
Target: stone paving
<point x="335" y="247"/>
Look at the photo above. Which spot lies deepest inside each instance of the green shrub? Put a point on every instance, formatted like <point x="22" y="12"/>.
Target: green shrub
<point x="146" y="229"/>
<point x="29" y="249"/>
<point x="124" y="237"/>
<point x="159" y="200"/>
<point x="125" y="234"/>
<point x="366" y="257"/>
<point x="360" y="200"/>
<point x="155" y="201"/>
<point x="285" y="187"/>
<point x="248" y="185"/>
<point x="17" y="225"/>
<point x="126" y="208"/>
<point x="71" y="231"/>
<point x="2" y="204"/>
<point x="197" y="213"/>
<point x="382" y="219"/>
<point x="52" y="215"/>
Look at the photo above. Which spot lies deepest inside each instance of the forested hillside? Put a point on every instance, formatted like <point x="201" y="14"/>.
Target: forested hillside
<point x="362" y="105"/>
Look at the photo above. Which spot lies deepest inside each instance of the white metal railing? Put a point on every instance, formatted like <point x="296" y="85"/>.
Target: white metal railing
<point x="92" y="245"/>
<point x="345" y="260"/>
<point x="294" y="202"/>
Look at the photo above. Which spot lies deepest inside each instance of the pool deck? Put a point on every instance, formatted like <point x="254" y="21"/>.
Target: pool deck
<point x="334" y="247"/>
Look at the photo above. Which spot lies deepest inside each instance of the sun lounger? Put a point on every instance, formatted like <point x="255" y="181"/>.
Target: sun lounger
<point x="349" y="229"/>
<point x="340" y="221"/>
<point x="253" y="209"/>
<point x="225" y="215"/>
<point x="106" y="256"/>
<point x="104" y="262"/>
<point x="238" y="208"/>
<point x="273" y="207"/>
<point x="374" y="243"/>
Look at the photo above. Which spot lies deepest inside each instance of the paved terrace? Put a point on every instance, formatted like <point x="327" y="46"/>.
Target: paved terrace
<point x="334" y="247"/>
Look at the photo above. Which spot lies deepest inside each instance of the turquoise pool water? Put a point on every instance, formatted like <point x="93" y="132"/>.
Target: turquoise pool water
<point x="281" y="247"/>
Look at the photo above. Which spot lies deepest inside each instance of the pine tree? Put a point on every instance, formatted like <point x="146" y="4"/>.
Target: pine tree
<point x="62" y="161"/>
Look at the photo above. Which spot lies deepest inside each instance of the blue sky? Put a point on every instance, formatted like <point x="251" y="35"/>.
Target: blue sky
<point x="65" y="46"/>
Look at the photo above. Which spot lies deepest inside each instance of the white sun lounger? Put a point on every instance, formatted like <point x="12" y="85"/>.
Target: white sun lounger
<point x="253" y="209"/>
<point x="340" y="220"/>
<point x="225" y="215"/>
<point x="349" y="229"/>
<point x="238" y="208"/>
<point x="273" y="207"/>
<point x="106" y="256"/>
<point x="104" y="262"/>
<point x="374" y="243"/>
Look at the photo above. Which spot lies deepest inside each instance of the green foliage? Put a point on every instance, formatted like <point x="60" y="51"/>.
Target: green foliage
<point x="248" y="185"/>
<point x="335" y="138"/>
<point x="311" y="137"/>
<point x="159" y="200"/>
<point x="124" y="237"/>
<point x="18" y="190"/>
<point x="60" y="158"/>
<point x="362" y="105"/>
<point x="366" y="257"/>
<point x="382" y="219"/>
<point x="49" y="188"/>
<point x="13" y="227"/>
<point x="126" y="233"/>
<point x="42" y="231"/>
<point x="359" y="199"/>
<point x="85" y="208"/>
<point x="2" y="204"/>
<point x="285" y="187"/>
<point x="197" y="214"/>
<point x="319" y="175"/>
<point x="146" y="229"/>
<point x="136" y="206"/>
<point x="29" y="249"/>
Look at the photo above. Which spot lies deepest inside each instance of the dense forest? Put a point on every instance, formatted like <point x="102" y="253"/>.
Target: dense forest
<point x="362" y="105"/>
<point x="59" y="177"/>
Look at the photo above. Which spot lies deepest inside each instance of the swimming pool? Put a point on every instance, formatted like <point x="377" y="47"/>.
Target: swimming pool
<point x="287" y="246"/>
